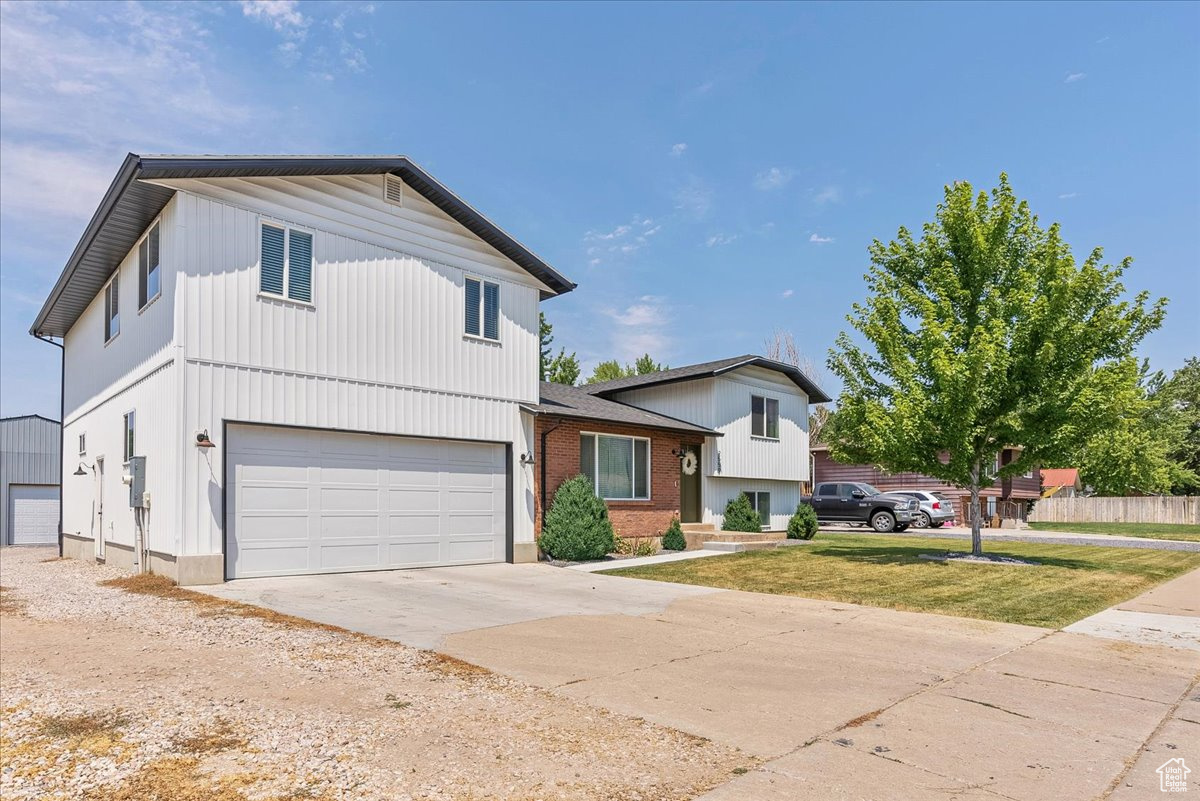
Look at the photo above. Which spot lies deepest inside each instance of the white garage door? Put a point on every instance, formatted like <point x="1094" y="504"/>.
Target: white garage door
<point x="307" y="501"/>
<point x="32" y="514"/>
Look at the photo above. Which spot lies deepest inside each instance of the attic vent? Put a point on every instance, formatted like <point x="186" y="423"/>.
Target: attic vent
<point x="393" y="189"/>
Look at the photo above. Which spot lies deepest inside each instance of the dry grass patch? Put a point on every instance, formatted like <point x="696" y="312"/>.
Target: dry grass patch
<point x="219" y="736"/>
<point x="181" y="779"/>
<point x="9" y="603"/>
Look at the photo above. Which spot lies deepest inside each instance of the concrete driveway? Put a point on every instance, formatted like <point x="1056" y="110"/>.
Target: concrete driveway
<point x="835" y="700"/>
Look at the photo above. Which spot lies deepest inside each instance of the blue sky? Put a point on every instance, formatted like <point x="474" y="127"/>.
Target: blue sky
<point x="706" y="173"/>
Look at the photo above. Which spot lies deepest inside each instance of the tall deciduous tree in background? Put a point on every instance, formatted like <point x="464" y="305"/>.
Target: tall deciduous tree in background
<point x="561" y="369"/>
<point x="612" y="369"/>
<point x="781" y="346"/>
<point x="983" y="334"/>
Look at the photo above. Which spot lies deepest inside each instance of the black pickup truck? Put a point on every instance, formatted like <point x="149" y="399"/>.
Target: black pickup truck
<point x="855" y="502"/>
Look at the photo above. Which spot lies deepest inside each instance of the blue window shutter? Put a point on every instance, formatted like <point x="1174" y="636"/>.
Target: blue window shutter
<point x="300" y="261"/>
<point x="472" y="306"/>
<point x="271" y="277"/>
<point x="491" y="310"/>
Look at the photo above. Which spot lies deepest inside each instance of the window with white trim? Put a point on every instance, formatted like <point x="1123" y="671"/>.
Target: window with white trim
<point x="130" y="424"/>
<point x="761" y="501"/>
<point x="285" y="262"/>
<point x="618" y="467"/>
<point x="764" y="417"/>
<point x="149" y="272"/>
<point x="83" y="444"/>
<point x="112" y="310"/>
<point x="482" y="309"/>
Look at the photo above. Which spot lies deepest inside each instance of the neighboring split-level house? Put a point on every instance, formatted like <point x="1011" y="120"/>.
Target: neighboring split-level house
<point x="1008" y="500"/>
<point x="720" y="429"/>
<point x="320" y="364"/>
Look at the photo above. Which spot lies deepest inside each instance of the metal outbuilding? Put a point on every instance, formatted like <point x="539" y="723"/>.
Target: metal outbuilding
<point x="29" y="480"/>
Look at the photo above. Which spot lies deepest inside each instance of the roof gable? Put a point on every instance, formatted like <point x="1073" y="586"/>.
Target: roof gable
<point x="692" y="372"/>
<point x="132" y="202"/>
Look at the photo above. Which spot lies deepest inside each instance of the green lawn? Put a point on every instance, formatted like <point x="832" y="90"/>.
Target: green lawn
<point x="1069" y="583"/>
<point x="1162" y="531"/>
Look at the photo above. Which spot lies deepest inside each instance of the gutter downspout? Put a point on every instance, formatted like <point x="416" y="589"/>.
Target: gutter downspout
<point x="62" y="408"/>
<point x="542" y="467"/>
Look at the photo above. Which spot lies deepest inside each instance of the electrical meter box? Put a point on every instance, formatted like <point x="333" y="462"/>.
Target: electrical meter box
<point x="137" y="482"/>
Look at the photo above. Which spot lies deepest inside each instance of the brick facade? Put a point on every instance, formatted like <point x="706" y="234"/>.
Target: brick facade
<point x="630" y="518"/>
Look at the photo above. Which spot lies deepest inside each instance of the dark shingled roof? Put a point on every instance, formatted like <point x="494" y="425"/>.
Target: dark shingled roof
<point x="708" y="370"/>
<point x="132" y="203"/>
<point x="564" y="401"/>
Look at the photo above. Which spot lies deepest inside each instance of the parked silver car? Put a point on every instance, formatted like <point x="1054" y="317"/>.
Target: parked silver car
<point x="936" y="509"/>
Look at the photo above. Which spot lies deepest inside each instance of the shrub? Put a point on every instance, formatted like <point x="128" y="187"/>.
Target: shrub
<point x="644" y="547"/>
<point x="576" y="526"/>
<point x="622" y="546"/>
<point x="673" y="539"/>
<point x="740" y="515"/>
<point x="803" y="524"/>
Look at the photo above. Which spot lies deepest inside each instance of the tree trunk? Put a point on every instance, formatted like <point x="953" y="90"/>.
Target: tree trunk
<point x="976" y="536"/>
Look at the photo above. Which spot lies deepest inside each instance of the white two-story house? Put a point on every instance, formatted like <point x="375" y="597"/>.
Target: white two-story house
<point x="286" y="365"/>
<point x="755" y="411"/>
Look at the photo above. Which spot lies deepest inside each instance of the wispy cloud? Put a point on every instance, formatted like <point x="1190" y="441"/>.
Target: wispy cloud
<point x="699" y="90"/>
<point x="624" y="239"/>
<point x="787" y="293"/>
<point x="1068" y="195"/>
<point x="817" y="239"/>
<point x="1072" y="77"/>
<point x="678" y="149"/>
<point x="720" y="239"/>
<point x="641" y="327"/>
<point x="1103" y="39"/>
<point x="828" y="194"/>
<point x="282" y="15"/>
<point x="772" y="178"/>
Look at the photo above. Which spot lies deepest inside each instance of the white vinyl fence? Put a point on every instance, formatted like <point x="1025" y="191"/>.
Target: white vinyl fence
<point x="1172" y="509"/>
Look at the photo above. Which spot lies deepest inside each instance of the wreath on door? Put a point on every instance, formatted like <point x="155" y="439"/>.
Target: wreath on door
<point x="689" y="463"/>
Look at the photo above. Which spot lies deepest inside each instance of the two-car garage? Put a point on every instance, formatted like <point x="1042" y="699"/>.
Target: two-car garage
<point x="300" y="501"/>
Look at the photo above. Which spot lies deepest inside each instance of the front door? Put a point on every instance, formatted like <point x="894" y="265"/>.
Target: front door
<point x="689" y="485"/>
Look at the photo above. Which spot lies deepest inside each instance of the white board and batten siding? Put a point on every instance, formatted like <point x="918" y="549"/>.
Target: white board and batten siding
<point x="381" y="347"/>
<point x="134" y="371"/>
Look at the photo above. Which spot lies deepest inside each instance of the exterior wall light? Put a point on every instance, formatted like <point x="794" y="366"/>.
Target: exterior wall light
<point x="202" y="440"/>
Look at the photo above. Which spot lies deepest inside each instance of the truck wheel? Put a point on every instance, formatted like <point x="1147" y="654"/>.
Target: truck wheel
<point x="922" y="520"/>
<point x="883" y="522"/>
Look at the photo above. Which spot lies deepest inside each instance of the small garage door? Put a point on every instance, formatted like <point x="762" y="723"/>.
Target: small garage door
<point x="308" y="501"/>
<point x="32" y="514"/>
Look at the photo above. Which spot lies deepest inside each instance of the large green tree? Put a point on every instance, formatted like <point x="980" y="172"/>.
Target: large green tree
<point x="612" y="369"/>
<point x="1145" y="446"/>
<point x="561" y="369"/>
<point x="983" y="334"/>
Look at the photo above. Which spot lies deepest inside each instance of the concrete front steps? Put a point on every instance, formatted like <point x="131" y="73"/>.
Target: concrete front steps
<point x="708" y="537"/>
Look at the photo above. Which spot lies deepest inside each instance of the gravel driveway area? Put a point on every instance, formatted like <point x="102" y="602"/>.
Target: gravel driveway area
<point x="111" y="695"/>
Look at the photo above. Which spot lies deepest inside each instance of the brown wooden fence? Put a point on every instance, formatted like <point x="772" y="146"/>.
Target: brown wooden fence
<point x="1174" y="509"/>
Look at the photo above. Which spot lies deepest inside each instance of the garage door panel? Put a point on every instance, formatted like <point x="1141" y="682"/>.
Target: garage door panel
<point x="349" y="557"/>
<point x="361" y="502"/>
<point x="349" y="498"/>
<point x="266" y="498"/>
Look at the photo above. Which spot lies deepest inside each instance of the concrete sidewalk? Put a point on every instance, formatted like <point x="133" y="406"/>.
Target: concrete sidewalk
<point x="1166" y="615"/>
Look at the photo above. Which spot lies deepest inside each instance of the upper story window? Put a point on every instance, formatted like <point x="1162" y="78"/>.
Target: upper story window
<point x="149" y="272"/>
<point x="482" y="309"/>
<point x="764" y="417"/>
<point x="112" y="311"/>
<point x="130" y="423"/>
<point x="618" y="467"/>
<point x="82" y="444"/>
<point x="286" y="259"/>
